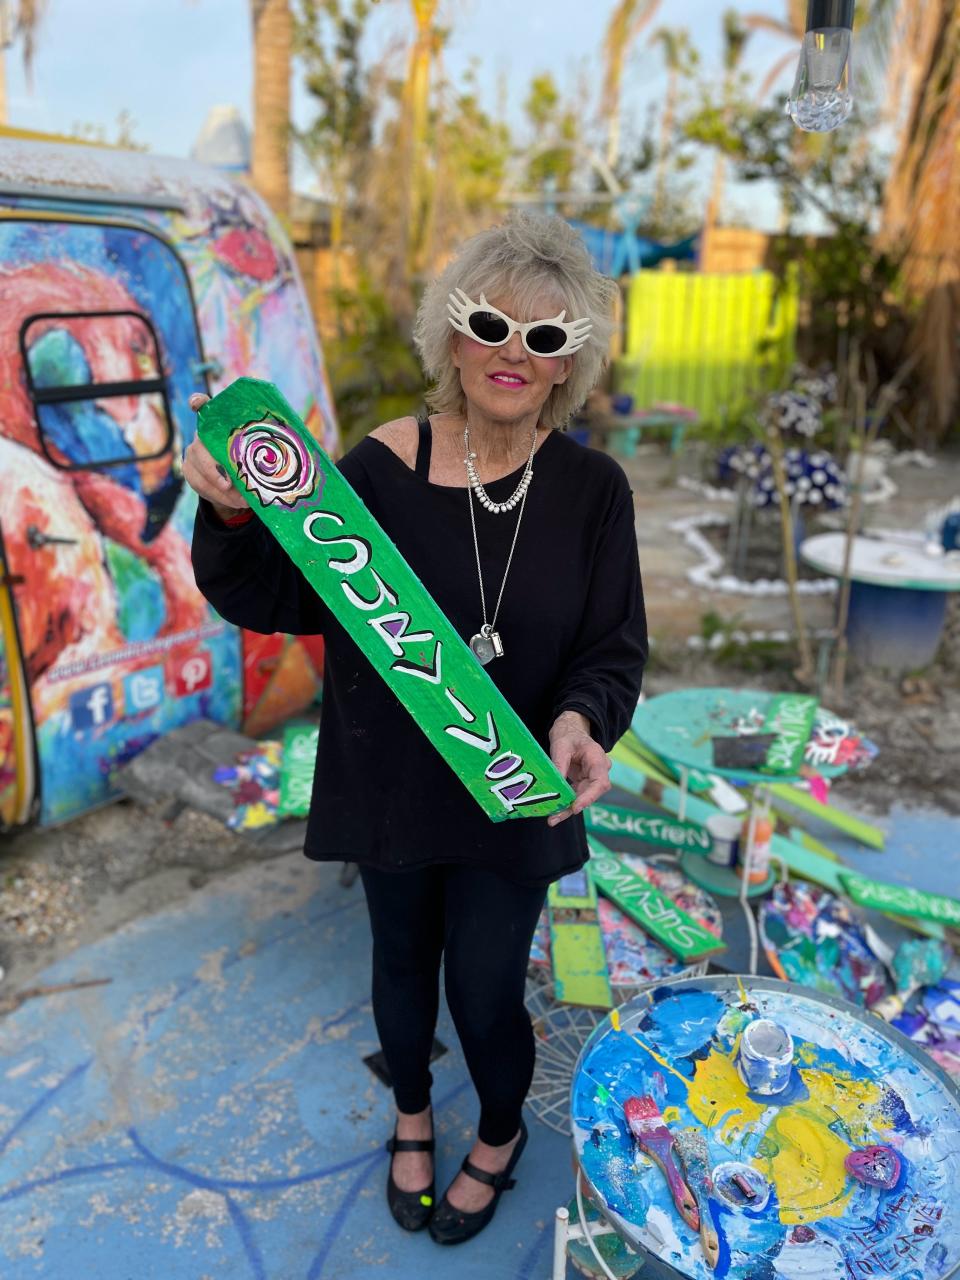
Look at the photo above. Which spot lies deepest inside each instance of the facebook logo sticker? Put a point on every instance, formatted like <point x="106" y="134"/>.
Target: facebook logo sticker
<point x="91" y="708"/>
<point x="143" y="690"/>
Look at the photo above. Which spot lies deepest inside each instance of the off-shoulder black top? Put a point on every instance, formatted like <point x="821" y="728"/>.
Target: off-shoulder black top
<point x="572" y="624"/>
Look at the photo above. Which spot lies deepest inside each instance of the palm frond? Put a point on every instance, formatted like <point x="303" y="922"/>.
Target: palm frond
<point x="762" y="22"/>
<point x="773" y="75"/>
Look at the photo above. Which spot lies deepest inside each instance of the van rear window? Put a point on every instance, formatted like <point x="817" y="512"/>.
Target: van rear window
<point x="97" y="384"/>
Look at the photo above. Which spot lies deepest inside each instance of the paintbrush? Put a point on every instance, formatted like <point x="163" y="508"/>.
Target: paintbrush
<point x="692" y="1149"/>
<point x="656" y="1141"/>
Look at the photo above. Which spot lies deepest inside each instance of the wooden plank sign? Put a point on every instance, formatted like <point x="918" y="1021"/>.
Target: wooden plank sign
<point x="790" y="716"/>
<point x="648" y="828"/>
<point x="652" y="910"/>
<point x="580" y="974"/>
<point x="901" y="900"/>
<point x="373" y="593"/>
<point x="296" y="769"/>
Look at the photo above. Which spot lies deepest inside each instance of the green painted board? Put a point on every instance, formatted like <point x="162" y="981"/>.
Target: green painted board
<point x="648" y="907"/>
<point x="296" y="769"/>
<point x="648" y="828"/>
<point x="360" y="575"/>
<point x="628" y="772"/>
<point x="790" y="716"/>
<point x="865" y="832"/>
<point x="902" y="900"/>
<point x="577" y="955"/>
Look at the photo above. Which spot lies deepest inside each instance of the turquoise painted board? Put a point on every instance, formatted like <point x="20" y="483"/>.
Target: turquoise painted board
<point x="805" y="863"/>
<point x="347" y="558"/>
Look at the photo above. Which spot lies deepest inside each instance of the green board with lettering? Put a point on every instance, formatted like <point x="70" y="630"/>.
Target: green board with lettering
<point x="790" y="716"/>
<point x="325" y="529"/>
<point x="580" y="974"/>
<point x="296" y="769"/>
<point x="901" y="900"/>
<point x="648" y="828"/>
<point x="648" y="907"/>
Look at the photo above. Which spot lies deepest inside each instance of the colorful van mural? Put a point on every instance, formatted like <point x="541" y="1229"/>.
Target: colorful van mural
<point x="127" y="282"/>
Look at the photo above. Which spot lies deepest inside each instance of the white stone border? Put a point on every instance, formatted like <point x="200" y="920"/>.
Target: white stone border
<point x="709" y="573"/>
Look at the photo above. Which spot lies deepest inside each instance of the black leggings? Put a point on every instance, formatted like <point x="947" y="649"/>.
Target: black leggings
<point x="482" y="925"/>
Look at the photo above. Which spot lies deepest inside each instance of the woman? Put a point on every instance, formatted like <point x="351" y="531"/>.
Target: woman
<point x="526" y="540"/>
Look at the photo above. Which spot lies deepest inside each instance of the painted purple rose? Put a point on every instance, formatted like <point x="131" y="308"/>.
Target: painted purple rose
<point x="274" y="463"/>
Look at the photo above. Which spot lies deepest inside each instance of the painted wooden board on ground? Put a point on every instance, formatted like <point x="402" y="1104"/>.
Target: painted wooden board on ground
<point x="723" y="794"/>
<point x="863" y="831"/>
<point x="651" y="909"/>
<point x="658" y="774"/>
<point x="629" y="773"/>
<point x="296" y="769"/>
<point x="577" y="955"/>
<point x="360" y="575"/>
<point x="902" y="900"/>
<point x="648" y="828"/>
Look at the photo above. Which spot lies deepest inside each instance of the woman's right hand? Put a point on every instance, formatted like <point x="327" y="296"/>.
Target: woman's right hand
<point x="203" y="473"/>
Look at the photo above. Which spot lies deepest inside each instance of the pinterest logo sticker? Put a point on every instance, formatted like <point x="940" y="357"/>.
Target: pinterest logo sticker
<point x="192" y="674"/>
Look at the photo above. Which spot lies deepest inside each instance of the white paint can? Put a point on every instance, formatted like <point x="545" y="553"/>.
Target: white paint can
<point x="724" y="829"/>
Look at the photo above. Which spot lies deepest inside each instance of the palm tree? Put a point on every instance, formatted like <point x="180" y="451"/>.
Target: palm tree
<point x="23" y="27"/>
<point x="791" y="28"/>
<point x="626" y="22"/>
<point x="272" y="45"/>
<point x="923" y="190"/>
<point x="680" y="57"/>
<point x="417" y="106"/>
<point x="735" y="37"/>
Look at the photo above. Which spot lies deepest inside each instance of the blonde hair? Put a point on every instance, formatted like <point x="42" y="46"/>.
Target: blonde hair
<point x="531" y="259"/>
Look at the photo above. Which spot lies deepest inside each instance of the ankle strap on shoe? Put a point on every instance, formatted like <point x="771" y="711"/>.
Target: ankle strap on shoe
<point x="499" y="1181"/>
<point x="395" y="1144"/>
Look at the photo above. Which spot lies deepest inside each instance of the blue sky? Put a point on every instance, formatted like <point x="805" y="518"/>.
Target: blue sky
<point x="168" y="62"/>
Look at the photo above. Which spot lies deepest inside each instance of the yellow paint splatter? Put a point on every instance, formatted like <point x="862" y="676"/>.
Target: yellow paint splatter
<point x="719" y="1098"/>
<point x="615" y="1019"/>
<point x="805" y="1162"/>
<point x="672" y="1115"/>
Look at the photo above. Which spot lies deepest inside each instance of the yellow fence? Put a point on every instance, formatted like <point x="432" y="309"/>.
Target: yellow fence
<point x="707" y="342"/>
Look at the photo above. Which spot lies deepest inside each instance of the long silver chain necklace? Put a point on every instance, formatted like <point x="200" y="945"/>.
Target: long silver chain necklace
<point x="486" y="644"/>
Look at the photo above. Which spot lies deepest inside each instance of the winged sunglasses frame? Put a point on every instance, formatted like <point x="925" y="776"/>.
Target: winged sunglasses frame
<point x="461" y="309"/>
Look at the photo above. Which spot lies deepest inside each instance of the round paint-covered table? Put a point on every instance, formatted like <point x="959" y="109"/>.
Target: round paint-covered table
<point x="898" y="596"/>
<point x="783" y="1192"/>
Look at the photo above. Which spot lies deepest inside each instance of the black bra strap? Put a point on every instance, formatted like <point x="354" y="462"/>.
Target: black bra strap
<point x="424" y="448"/>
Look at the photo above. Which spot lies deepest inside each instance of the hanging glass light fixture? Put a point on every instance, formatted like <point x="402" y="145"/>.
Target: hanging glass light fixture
<point x="822" y="97"/>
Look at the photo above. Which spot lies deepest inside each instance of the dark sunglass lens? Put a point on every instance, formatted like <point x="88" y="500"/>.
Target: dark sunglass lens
<point x="488" y="327"/>
<point x="545" y="339"/>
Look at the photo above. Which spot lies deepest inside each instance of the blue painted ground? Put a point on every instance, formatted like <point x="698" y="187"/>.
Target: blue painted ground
<point x="207" y="1115"/>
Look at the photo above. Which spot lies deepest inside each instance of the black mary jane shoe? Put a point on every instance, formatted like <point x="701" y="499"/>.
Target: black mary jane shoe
<point x="411" y="1209"/>
<point x="449" y="1225"/>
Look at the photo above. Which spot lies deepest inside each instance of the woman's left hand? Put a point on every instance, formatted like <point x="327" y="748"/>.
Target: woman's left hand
<point x="580" y="759"/>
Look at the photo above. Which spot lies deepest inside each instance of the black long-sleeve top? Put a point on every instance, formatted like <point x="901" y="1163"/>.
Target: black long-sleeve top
<point x="572" y="624"/>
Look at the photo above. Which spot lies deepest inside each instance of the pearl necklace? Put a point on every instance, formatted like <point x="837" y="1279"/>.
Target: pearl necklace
<point x="497" y="508"/>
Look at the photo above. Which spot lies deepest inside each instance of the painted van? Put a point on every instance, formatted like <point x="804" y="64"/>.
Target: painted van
<point x="127" y="282"/>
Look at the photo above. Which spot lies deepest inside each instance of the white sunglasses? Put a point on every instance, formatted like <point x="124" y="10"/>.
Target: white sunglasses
<point x="487" y="325"/>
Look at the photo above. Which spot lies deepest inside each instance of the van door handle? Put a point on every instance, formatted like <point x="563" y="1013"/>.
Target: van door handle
<point x="37" y="539"/>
